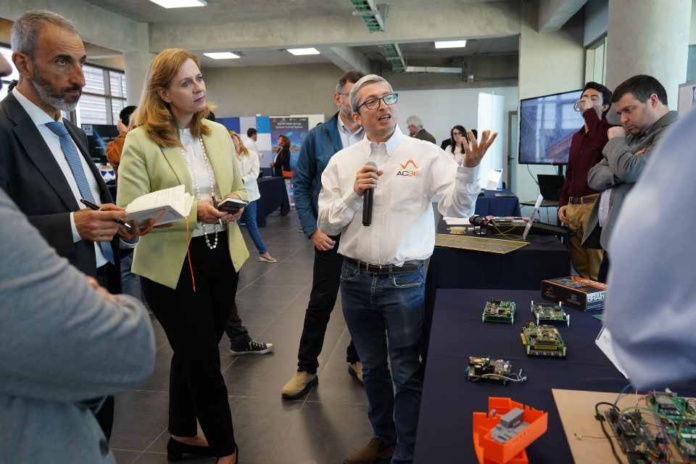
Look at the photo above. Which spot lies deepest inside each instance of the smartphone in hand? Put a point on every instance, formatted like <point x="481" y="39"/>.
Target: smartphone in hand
<point x="231" y="205"/>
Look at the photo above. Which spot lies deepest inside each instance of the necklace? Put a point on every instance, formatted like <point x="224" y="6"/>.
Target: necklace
<point x="198" y="189"/>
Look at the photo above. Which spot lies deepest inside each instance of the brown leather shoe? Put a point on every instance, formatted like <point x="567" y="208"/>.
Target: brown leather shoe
<point x="368" y="454"/>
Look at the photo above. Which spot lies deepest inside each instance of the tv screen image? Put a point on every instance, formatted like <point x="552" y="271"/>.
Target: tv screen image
<point x="547" y="125"/>
<point x="98" y="135"/>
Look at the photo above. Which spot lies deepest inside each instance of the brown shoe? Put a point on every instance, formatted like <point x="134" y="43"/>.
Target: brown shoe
<point x="368" y="454"/>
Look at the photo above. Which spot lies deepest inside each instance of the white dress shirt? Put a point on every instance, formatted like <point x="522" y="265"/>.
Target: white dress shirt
<point x="40" y="119"/>
<point x="249" y="165"/>
<point x="416" y="174"/>
<point x="251" y="145"/>
<point x="204" y="187"/>
<point x="651" y="301"/>
<point x="458" y="155"/>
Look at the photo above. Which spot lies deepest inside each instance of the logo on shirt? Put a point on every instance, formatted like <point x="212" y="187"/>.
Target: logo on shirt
<point x="405" y="172"/>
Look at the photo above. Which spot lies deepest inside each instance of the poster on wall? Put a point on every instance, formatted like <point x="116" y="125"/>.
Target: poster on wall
<point x="293" y="128"/>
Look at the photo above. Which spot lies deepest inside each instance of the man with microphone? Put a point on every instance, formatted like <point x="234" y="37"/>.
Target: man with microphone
<point x="382" y="280"/>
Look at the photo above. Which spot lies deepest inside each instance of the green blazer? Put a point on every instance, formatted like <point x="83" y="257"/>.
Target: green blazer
<point x="146" y="167"/>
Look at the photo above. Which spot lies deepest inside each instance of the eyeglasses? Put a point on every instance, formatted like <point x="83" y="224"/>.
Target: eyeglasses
<point x="374" y="103"/>
<point x="456" y="133"/>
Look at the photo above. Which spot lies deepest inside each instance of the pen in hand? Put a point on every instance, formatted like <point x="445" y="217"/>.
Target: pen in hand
<point x="94" y="207"/>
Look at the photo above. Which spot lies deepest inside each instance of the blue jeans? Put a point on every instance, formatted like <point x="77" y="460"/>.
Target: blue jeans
<point x="249" y="217"/>
<point x="384" y="313"/>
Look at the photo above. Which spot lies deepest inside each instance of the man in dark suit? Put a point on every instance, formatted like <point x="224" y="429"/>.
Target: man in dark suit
<point x="44" y="163"/>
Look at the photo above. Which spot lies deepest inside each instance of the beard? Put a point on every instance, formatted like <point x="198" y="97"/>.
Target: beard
<point x="56" y="98"/>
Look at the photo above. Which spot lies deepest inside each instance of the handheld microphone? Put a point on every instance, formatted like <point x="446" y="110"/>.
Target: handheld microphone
<point x="368" y="198"/>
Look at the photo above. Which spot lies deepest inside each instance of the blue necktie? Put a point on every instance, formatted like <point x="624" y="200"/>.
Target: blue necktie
<point x="73" y="158"/>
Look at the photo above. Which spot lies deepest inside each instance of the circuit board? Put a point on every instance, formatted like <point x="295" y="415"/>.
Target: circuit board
<point x="543" y="340"/>
<point x="634" y="437"/>
<point x="499" y="311"/>
<point x="487" y="368"/>
<point x="678" y="416"/>
<point x="550" y="313"/>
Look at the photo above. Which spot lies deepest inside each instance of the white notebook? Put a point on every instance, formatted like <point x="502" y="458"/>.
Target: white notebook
<point x="165" y="206"/>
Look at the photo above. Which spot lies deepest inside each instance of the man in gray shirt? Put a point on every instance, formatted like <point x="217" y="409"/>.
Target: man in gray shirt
<point x="641" y="103"/>
<point x="63" y="340"/>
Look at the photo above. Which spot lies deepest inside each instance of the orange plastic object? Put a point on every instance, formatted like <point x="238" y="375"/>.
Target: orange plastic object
<point x="489" y="451"/>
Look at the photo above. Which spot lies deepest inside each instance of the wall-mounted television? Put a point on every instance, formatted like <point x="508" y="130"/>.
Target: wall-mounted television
<point x="547" y="125"/>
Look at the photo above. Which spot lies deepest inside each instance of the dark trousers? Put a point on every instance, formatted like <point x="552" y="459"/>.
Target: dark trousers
<point x="235" y="330"/>
<point x="604" y="268"/>
<point x="105" y="413"/>
<point x="194" y="322"/>
<point x="325" y="283"/>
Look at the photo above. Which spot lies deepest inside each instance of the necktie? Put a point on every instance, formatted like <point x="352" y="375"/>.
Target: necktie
<point x="73" y="159"/>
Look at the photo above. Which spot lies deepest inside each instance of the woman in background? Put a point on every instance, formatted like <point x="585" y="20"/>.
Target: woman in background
<point x="188" y="269"/>
<point x="281" y="162"/>
<point x="456" y="147"/>
<point x="249" y="162"/>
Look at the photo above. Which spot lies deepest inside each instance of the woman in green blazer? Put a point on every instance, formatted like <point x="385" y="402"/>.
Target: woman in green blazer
<point x="190" y="269"/>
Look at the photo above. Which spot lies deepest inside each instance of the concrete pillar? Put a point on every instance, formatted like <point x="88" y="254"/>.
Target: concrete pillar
<point x="137" y="64"/>
<point x="649" y="37"/>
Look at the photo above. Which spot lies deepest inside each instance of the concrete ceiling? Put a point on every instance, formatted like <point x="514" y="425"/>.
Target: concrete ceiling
<point x="267" y="29"/>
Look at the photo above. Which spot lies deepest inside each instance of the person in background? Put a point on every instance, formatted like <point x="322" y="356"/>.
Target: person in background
<point x="416" y="130"/>
<point x="457" y="148"/>
<point x="115" y="147"/>
<point x="383" y="274"/>
<point x="651" y="298"/>
<point x="250" y="140"/>
<point x="321" y="143"/>
<point x="281" y="161"/>
<point x="249" y="162"/>
<point x="577" y="198"/>
<point x="189" y="270"/>
<point x="106" y="345"/>
<point x="241" y="342"/>
<point x="641" y="103"/>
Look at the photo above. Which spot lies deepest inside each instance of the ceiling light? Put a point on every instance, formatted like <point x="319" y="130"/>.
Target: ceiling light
<point x="303" y="51"/>
<point x="222" y="55"/>
<point x="451" y="44"/>
<point x="180" y="3"/>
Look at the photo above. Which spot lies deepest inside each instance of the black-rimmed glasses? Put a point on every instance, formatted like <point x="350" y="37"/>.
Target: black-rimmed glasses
<point x="374" y="103"/>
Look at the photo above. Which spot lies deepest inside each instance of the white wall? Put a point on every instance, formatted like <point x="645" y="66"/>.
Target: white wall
<point x="442" y="109"/>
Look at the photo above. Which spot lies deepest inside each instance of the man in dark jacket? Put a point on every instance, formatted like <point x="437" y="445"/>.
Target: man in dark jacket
<point x="318" y="147"/>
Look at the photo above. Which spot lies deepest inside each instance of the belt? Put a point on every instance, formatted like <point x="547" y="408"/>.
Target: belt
<point x="583" y="200"/>
<point x="408" y="266"/>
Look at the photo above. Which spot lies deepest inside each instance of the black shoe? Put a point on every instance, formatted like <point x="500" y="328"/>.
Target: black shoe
<point x="253" y="347"/>
<point x="176" y="450"/>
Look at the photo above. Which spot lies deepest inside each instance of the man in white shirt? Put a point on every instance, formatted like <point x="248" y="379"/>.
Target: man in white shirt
<point x="382" y="280"/>
<point x="651" y="300"/>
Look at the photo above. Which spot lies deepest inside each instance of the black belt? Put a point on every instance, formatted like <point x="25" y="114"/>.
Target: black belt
<point x="409" y="266"/>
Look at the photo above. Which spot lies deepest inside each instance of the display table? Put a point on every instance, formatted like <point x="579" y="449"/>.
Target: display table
<point x="274" y="196"/>
<point x="445" y="426"/>
<point x="497" y="203"/>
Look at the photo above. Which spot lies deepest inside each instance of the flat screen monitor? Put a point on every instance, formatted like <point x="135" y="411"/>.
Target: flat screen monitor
<point x="547" y="125"/>
<point x="98" y="135"/>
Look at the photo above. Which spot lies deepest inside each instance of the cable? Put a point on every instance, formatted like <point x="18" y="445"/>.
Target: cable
<point x="601" y="420"/>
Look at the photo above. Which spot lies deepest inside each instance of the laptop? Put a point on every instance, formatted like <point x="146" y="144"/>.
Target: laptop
<point x="550" y="186"/>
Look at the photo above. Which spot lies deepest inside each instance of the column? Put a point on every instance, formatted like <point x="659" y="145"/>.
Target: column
<point x="137" y="64"/>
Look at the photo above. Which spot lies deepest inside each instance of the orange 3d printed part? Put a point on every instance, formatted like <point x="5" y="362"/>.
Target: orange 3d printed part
<point x="503" y="433"/>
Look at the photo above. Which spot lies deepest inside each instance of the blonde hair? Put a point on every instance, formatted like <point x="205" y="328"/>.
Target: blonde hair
<point x="243" y="150"/>
<point x="154" y="113"/>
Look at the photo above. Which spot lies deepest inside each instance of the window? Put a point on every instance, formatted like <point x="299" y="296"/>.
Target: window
<point x="103" y="97"/>
<point x="596" y="61"/>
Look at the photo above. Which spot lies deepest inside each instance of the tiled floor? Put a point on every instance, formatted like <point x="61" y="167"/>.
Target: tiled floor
<point x="322" y="428"/>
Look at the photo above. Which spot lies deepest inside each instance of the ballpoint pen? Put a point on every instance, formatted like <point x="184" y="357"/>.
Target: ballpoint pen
<point x="91" y="205"/>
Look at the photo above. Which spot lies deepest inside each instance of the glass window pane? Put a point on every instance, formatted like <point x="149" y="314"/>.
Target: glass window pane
<point x="116" y="107"/>
<point x="94" y="78"/>
<point x="92" y="110"/>
<point x="118" y="84"/>
<point x="7" y="53"/>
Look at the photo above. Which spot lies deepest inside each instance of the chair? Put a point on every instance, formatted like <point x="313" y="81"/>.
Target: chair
<point x="550" y="186"/>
